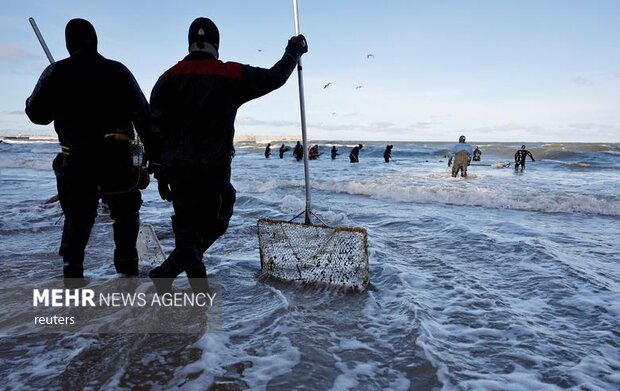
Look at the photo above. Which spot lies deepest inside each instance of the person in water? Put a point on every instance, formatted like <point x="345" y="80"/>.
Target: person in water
<point x="520" y="156"/>
<point x="461" y="154"/>
<point x="334" y="152"/>
<point x="96" y="106"/>
<point x="194" y="104"/>
<point x="355" y="153"/>
<point x="387" y="154"/>
<point x="313" y="153"/>
<point x="477" y="154"/>
<point x="298" y="152"/>
<point x="268" y="151"/>
<point x="283" y="149"/>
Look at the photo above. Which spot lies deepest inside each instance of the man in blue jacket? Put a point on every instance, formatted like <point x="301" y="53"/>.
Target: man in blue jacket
<point x="461" y="154"/>
<point x="95" y="103"/>
<point x="194" y="105"/>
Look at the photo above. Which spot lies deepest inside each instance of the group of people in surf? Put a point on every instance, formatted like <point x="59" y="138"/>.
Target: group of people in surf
<point x="313" y="152"/>
<point x="463" y="154"/>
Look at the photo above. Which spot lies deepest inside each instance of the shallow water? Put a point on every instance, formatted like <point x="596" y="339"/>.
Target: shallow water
<point x="501" y="281"/>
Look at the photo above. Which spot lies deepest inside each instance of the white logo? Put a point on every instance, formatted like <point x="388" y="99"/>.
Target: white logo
<point x="201" y="32"/>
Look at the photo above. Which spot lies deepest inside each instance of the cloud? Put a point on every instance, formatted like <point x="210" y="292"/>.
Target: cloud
<point x="423" y="125"/>
<point x="382" y="125"/>
<point x="595" y="128"/>
<point x="582" y="81"/>
<point x="249" y="121"/>
<point x="16" y="112"/>
<point x="12" y="52"/>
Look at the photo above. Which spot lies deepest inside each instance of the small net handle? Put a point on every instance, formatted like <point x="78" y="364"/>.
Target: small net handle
<point x="302" y="107"/>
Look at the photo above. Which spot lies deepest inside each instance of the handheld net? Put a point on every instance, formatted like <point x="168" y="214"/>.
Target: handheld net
<point x="309" y="252"/>
<point x="314" y="253"/>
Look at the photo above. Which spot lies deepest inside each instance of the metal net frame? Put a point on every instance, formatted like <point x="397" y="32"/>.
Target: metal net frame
<point x="314" y="253"/>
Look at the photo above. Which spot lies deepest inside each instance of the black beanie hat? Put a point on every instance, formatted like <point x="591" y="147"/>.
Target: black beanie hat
<point x="203" y="30"/>
<point x="80" y="34"/>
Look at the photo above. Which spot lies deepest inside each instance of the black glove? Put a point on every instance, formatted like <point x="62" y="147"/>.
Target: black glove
<point x="143" y="178"/>
<point x="298" y="43"/>
<point x="163" y="187"/>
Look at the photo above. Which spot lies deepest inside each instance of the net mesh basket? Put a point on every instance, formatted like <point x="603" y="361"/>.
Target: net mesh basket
<point x="314" y="253"/>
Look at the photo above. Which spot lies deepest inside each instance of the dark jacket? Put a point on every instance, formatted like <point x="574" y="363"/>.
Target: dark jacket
<point x="195" y="102"/>
<point x="88" y="96"/>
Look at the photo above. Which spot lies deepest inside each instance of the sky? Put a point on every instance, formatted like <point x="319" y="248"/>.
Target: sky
<point x="400" y="70"/>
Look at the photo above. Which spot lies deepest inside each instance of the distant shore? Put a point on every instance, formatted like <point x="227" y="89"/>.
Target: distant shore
<point x="239" y="138"/>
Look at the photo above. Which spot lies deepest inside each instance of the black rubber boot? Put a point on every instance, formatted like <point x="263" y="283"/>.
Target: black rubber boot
<point x="164" y="275"/>
<point x="197" y="277"/>
<point x="74" y="275"/>
<point x="126" y="262"/>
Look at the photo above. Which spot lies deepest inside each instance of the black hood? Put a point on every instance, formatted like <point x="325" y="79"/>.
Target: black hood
<point x="80" y="35"/>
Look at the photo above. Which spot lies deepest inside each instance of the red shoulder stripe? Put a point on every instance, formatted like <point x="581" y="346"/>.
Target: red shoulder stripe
<point x="231" y="70"/>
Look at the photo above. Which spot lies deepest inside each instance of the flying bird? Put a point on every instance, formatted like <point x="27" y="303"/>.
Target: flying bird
<point x="358" y="87"/>
<point x="327" y="85"/>
<point x="370" y="55"/>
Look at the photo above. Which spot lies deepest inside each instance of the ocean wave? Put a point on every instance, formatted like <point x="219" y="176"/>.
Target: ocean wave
<point x="33" y="164"/>
<point x="486" y="197"/>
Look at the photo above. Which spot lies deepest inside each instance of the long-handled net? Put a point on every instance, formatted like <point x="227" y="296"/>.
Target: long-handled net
<point x="311" y="252"/>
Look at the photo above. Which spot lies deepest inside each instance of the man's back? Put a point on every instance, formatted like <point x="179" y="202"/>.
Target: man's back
<point x="87" y="96"/>
<point x="195" y="102"/>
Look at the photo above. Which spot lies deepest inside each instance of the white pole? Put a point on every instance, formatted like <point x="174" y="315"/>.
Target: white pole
<point x="41" y="40"/>
<point x="302" y="107"/>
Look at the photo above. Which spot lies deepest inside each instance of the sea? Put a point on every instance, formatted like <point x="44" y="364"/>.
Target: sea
<point x="502" y="280"/>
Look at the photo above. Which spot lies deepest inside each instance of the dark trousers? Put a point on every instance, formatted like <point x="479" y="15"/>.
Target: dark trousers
<point x="203" y="201"/>
<point x="84" y="179"/>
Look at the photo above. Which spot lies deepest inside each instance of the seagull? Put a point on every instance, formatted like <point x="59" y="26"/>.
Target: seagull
<point x="358" y="87"/>
<point x="260" y="50"/>
<point x="370" y="55"/>
<point x="327" y="85"/>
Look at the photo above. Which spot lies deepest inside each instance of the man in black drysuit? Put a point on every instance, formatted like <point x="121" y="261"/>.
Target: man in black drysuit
<point x="283" y="149"/>
<point x="95" y="104"/>
<point x="354" y="156"/>
<point x="387" y="154"/>
<point x="194" y="105"/>
<point x="298" y="152"/>
<point x="520" y="156"/>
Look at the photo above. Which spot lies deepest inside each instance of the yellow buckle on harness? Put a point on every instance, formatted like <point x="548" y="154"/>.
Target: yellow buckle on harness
<point x="117" y="137"/>
<point x="65" y="150"/>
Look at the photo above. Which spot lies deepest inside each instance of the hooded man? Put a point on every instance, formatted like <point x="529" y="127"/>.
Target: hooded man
<point x="520" y="156"/>
<point x="354" y="156"/>
<point x="298" y="152"/>
<point x="462" y="154"/>
<point x="194" y="104"/>
<point x="95" y="103"/>
<point x="387" y="154"/>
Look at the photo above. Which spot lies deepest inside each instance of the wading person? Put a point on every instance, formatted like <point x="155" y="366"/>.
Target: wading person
<point x="194" y="104"/>
<point x="334" y="152"/>
<point x="298" y="152"/>
<point x="354" y="156"/>
<point x="283" y="149"/>
<point x="520" y="156"/>
<point x="461" y="154"/>
<point x="95" y="103"/>
<point x="387" y="154"/>
<point x="477" y="154"/>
